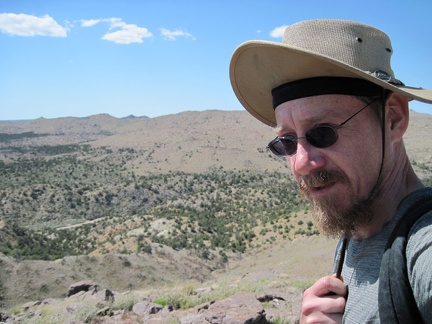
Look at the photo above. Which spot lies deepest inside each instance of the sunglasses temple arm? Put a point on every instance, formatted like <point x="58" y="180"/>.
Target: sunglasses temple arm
<point x="358" y="112"/>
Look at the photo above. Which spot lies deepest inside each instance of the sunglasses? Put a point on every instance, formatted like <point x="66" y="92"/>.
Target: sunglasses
<point x="320" y="136"/>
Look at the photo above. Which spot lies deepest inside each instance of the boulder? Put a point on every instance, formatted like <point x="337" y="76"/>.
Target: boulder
<point x="145" y="308"/>
<point x="4" y="317"/>
<point x="84" y="285"/>
<point x="243" y="307"/>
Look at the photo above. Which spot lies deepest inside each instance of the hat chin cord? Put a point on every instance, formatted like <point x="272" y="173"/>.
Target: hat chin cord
<point x="383" y="137"/>
<point x="376" y="188"/>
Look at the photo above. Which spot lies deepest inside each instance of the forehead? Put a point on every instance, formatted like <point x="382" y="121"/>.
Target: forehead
<point x="310" y="110"/>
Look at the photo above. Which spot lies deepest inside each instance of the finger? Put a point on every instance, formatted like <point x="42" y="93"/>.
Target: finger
<point x="333" y="304"/>
<point x="322" y="318"/>
<point x="327" y="285"/>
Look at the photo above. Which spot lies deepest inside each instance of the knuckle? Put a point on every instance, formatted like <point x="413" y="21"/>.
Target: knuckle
<point x="327" y="282"/>
<point x="307" y="293"/>
<point x="308" y="307"/>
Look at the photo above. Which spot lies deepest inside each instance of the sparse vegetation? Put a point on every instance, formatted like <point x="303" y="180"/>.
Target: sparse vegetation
<point x="87" y="197"/>
<point x="4" y="137"/>
<point x="214" y="211"/>
<point x="126" y="303"/>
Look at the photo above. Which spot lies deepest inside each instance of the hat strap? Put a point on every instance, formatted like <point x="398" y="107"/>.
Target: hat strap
<point x="322" y="86"/>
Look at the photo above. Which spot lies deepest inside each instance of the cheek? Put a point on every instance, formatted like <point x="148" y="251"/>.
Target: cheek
<point x="361" y="165"/>
<point x="369" y="151"/>
<point x="363" y="145"/>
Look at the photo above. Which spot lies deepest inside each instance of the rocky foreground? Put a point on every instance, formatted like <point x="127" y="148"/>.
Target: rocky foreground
<point x="86" y="304"/>
<point x="263" y="286"/>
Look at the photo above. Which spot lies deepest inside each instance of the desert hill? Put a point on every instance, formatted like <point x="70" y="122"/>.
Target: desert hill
<point x="149" y="202"/>
<point x="188" y="141"/>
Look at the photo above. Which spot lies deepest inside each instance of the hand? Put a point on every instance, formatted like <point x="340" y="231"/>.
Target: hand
<point x="325" y="301"/>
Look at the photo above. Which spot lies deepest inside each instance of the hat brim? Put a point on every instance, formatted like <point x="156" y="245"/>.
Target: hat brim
<point x="257" y="67"/>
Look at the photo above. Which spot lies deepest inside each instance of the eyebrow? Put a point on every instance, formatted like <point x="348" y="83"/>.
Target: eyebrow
<point x="314" y="120"/>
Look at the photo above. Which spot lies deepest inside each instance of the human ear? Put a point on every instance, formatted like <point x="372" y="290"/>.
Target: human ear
<point x="397" y="116"/>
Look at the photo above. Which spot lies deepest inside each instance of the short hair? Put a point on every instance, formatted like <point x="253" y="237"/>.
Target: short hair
<point x="376" y="105"/>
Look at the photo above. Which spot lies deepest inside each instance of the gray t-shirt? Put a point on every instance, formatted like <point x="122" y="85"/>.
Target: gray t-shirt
<point x="363" y="260"/>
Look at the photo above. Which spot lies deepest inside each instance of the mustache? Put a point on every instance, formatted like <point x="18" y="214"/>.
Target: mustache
<point x="308" y="182"/>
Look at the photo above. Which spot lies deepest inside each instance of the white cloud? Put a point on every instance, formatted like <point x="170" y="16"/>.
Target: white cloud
<point x="122" y="33"/>
<point x="28" y="25"/>
<point x="128" y="34"/>
<point x="115" y="22"/>
<point x="173" y="35"/>
<point x="90" y="22"/>
<point x="278" y="31"/>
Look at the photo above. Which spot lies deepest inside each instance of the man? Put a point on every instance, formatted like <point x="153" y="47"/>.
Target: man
<point x="339" y="115"/>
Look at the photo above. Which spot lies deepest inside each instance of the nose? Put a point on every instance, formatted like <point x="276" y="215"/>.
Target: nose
<point x="307" y="158"/>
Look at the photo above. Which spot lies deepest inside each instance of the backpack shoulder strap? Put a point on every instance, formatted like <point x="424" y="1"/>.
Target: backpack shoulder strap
<point x="395" y="297"/>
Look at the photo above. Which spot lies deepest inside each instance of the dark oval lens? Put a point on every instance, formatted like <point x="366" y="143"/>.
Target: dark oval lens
<point x="322" y="136"/>
<point x="289" y="145"/>
<point x="279" y="149"/>
<point x="276" y="147"/>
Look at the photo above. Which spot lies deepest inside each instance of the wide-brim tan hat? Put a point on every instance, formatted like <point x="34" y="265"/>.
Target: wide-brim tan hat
<point x="314" y="48"/>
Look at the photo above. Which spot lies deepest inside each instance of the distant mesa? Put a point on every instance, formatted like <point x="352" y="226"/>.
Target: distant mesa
<point x="134" y="117"/>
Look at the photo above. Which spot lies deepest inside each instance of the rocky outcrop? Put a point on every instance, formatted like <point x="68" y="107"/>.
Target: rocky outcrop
<point x="242" y="307"/>
<point x="84" y="285"/>
<point x="88" y="304"/>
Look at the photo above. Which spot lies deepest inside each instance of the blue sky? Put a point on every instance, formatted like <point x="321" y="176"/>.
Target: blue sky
<point x="78" y="58"/>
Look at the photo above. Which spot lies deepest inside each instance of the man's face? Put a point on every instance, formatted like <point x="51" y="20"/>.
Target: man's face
<point x="338" y="179"/>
